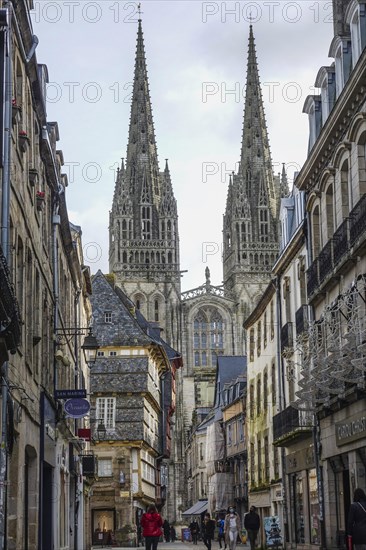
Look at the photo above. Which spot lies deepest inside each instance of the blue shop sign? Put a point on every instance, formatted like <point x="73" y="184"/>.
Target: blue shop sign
<point x="77" y="408"/>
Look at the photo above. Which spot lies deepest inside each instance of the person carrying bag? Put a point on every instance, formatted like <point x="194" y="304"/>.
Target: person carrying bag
<point x="356" y="524"/>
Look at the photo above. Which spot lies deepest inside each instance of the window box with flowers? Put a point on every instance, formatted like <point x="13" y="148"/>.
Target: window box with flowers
<point x="33" y="176"/>
<point x="15" y="111"/>
<point x="23" y="140"/>
<point x="40" y="200"/>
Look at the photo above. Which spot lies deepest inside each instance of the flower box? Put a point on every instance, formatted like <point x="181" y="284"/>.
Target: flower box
<point x="23" y="141"/>
<point x="33" y="176"/>
<point x="15" y="111"/>
<point x="40" y="200"/>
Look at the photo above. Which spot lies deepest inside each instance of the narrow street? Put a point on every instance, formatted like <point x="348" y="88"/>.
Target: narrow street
<point x="178" y="545"/>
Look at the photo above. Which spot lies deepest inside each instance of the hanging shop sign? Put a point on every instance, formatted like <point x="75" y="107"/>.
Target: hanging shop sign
<point x="69" y="394"/>
<point x="77" y="408"/>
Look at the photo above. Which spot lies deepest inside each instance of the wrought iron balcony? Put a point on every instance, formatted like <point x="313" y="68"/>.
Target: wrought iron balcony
<point x="325" y="260"/>
<point x="291" y="425"/>
<point x="287" y="336"/>
<point x="313" y="278"/>
<point x="302" y="319"/>
<point x="340" y="241"/>
<point x="9" y="311"/>
<point x="357" y="226"/>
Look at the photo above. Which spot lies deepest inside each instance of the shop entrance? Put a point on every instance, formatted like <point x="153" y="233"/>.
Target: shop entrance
<point x="103" y="526"/>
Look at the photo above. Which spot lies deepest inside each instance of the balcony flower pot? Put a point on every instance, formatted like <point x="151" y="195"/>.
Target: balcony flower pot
<point x="40" y="200"/>
<point x="23" y="141"/>
<point x="15" y="111"/>
<point x="33" y="176"/>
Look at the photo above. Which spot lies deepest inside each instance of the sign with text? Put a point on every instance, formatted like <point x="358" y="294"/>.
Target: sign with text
<point x="84" y="433"/>
<point x="77" y="408"/>
<point x="351" y="429"/>
<point x="69" y="394"/>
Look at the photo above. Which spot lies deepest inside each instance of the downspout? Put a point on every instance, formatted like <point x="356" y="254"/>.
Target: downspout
<point x="316" y="428"/>
<point x="5" y="223"/>
<point x="282" y="402"/>
<point x="76" y="374"/>
<point x="5" y="230"/>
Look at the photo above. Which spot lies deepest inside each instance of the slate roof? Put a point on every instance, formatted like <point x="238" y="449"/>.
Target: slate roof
<point x="129" y="326"/>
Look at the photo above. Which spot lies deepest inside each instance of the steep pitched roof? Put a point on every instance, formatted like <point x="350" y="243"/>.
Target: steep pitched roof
<point x="125" y="330"/>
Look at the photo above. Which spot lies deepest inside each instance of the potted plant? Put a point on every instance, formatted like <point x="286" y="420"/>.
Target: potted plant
<point x="15" y="111"/>
<point x="23" y="140"/>
<point x="40" y="200"/>
<point x="126" y="535"/>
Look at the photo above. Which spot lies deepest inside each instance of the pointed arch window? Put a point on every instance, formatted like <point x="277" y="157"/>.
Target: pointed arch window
<point x="263" y="225"/>
<point x="156" y="310"/>
<point x="124" y="230"/>
<point x="146" y="222"/>
<point x="208" y="338"/>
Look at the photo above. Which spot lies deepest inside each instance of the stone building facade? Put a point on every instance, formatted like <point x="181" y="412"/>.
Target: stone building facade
<point x="250" y="234"/>
<point x="333" y="178"/>
<point x="42" y="506"/>
<point x="133" y="397"/>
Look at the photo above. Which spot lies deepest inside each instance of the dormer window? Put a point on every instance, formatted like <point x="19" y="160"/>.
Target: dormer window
<point x="312" y="107"/>
<point x="341" y="50"/>
<point x="355" y="18"/>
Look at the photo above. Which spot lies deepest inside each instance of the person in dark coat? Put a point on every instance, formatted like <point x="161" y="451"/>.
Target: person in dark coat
<point x="208" y="530"/>
<point x="252" y="524"/>
<point x="356" y="524"/>
<point x="166" y="529"/>
<point x="151" y="523"/>
<point x="173" y="534"/>
<point x="194" y="529"/>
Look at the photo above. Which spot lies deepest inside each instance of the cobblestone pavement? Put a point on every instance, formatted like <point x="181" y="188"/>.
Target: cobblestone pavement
<point x="178" y="545"/>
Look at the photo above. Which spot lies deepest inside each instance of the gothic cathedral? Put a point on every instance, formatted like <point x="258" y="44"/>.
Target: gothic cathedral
<point x="144" y="251"/>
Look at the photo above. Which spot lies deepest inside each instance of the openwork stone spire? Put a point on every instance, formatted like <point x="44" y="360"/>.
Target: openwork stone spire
<point x="252" y="207"/>
<point x="144" y="241"/>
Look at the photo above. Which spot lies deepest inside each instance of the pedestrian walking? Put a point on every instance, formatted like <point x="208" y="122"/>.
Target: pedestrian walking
<point x="252" y="524"/>
<point x="173" y="534"/>
<point x="151" y="523"/>
<point x="208" y="531"/>
<point x="232" y="528"/>
<point x="166" y="529"/>
<point x="221" y="526"/>
<point x="194" y="529"/>
<point x="356" y="524"/>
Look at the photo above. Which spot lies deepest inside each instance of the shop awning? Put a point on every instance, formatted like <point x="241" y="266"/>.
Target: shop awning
<point x="196" y="509"/>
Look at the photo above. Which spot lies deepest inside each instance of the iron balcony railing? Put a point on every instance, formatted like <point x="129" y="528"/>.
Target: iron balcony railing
<point x="287" y="337"/>
<point x="313" y="278"/>
<point x="291" y="424"/>
<point x="358" y="220"/>
<point x="325" y="260"/>
<point x="340" y="241"/>
<point x="348" y="234"/>
<point x="302" y="319"/>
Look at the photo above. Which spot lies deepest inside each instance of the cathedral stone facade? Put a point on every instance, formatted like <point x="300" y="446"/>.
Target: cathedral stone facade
<point x="144" y="253"/>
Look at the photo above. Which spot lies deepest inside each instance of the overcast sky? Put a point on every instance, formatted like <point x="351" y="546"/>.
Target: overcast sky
<point x="196" y="56"/>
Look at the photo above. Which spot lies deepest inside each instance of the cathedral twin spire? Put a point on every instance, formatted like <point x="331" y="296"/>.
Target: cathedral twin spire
<point x="144" y="211"/>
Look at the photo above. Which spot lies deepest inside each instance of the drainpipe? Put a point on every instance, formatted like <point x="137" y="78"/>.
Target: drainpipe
<point x="5" y="222"/>
<point x="282" y="402"/>
<point x="316" y="428"/>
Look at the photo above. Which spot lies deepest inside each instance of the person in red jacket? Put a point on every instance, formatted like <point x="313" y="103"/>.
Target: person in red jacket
<point x="151" y="523"/>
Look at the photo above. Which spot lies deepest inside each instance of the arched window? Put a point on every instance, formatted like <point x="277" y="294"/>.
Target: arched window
<point x="208" y="337"/>
<point x="315" y="226"/>
<point x="329" y="202"/>
<point x="344" y="174"/>
<point x="156" y="310"/>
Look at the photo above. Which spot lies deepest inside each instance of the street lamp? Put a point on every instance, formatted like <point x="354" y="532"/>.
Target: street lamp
<point x="101" y="430"/>
<point x="90" y="348"/>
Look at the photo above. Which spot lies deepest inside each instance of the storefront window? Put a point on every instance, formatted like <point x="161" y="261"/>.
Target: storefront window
<point x="299" y="508"/>
<point x="314" y="507"/>
<point x="103" y="526"/>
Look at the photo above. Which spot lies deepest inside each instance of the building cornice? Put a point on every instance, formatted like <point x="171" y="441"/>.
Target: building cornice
<point x="352" y="97"/>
